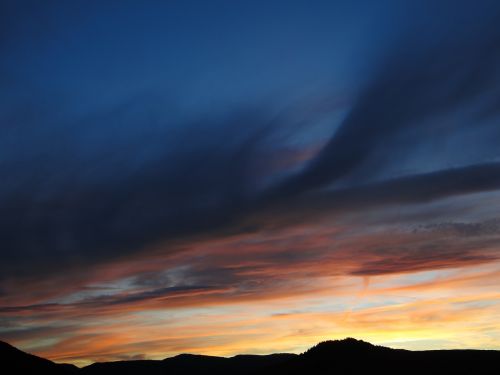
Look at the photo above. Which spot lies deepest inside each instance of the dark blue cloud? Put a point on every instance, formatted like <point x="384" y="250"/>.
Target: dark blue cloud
<point x="412" y="102"/>
<point x="113" y="138"/>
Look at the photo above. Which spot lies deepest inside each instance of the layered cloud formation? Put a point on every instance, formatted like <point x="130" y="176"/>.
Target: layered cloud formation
<point x="161" y="213"/>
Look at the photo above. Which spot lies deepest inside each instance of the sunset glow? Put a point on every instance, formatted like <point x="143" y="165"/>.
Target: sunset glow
<point x="176" y="179"/>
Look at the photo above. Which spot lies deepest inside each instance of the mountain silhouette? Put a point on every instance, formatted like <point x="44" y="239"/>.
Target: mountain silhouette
<point x="15" y="361"/>
<point x="348" y="356"/>
<point x="191" y="364"/>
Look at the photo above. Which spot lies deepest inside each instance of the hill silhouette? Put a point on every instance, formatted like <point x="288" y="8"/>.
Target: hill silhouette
<point x="15" y="361"/>
<point x="348" y="356"/>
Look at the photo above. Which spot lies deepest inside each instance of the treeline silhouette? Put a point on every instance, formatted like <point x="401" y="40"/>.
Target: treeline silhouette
<point x="348" y="356"/>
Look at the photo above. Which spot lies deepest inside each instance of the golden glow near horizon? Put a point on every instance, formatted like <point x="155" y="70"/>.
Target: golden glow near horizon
<point x="280" y="290"/>
<point x="458" y="308"/>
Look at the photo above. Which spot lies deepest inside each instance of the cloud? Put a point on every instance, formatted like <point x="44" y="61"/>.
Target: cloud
<point x="115" y="209"/>
<point x="403" y="107"/>
<point x="282" y="263"/>
<point x="119" y="180"/>
<point x="484" y="228"/>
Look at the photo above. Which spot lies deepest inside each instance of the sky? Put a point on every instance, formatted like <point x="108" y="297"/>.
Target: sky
<point x="223" y="177"/>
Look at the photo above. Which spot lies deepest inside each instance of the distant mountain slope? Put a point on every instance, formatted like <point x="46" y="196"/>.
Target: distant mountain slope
<point x="191" y="364"/>
<point x="347" y="356"/>
<point x="15" y="361"/>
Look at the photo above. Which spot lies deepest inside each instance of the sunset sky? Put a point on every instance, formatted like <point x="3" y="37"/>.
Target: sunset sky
<point x="224" y="177"/>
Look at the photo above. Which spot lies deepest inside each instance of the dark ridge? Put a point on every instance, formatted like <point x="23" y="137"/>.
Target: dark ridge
<point x="19" y="362"/>
<point x="348" y="345"/>
<point x="348" y="356"/>
<point x="122" y="367"/>
<point x="190" y="364"/>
